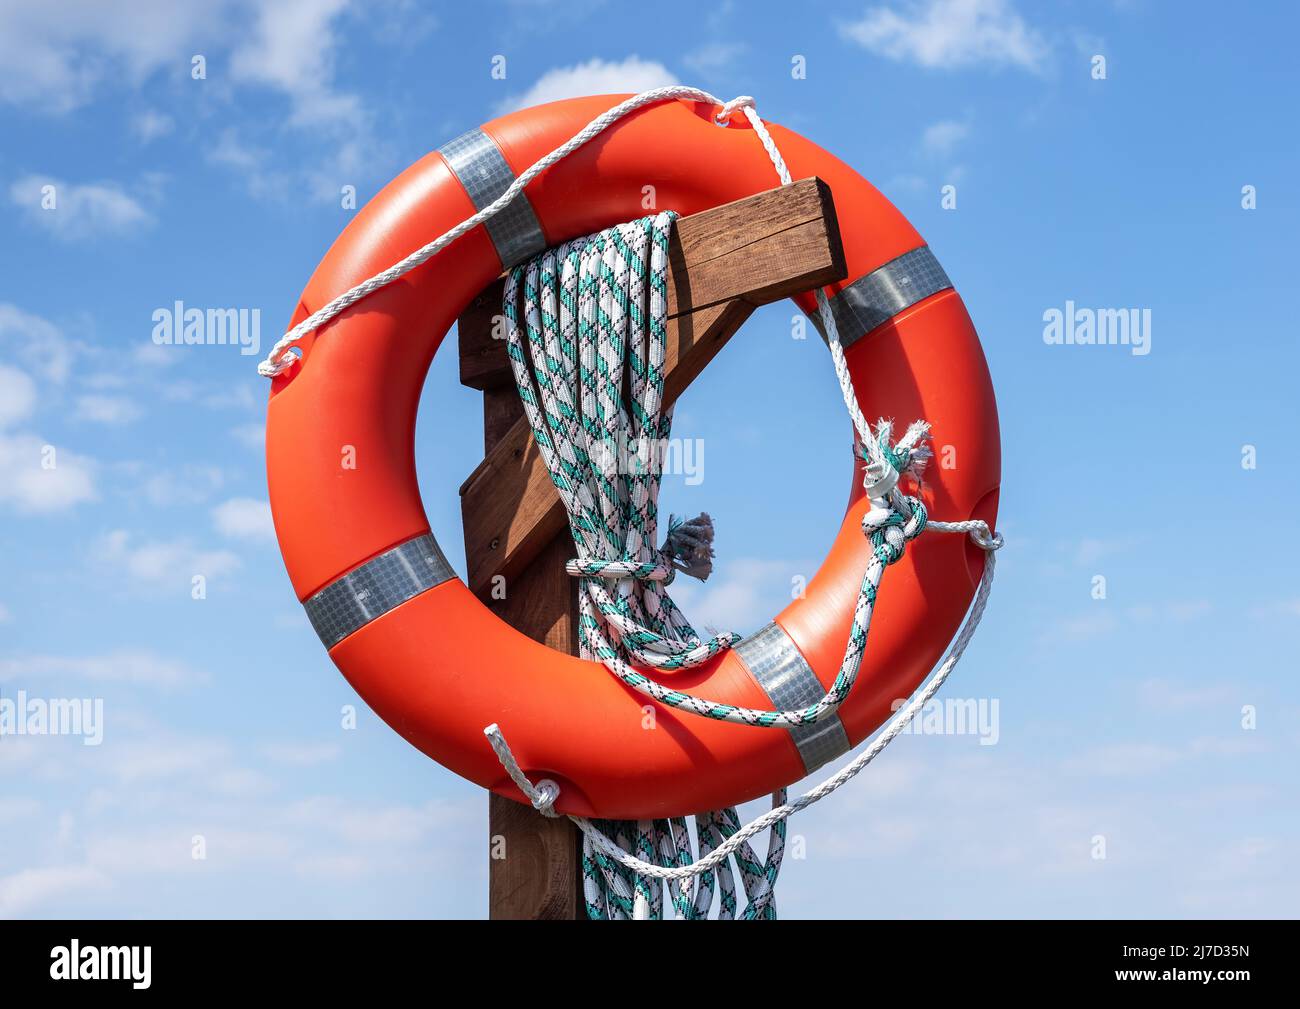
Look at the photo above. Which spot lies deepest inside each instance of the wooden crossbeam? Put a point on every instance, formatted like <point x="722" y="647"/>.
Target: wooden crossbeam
<point x="723" y="263"/>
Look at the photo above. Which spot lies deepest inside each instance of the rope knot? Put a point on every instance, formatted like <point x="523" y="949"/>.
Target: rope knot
<point x="894" y="519"/>
<point x="688" y="546"/>
<point x="887" y="461"/>
<point x="739" y="102"/>
<point x="892" y="527"/>
<point x="545" y="792"/>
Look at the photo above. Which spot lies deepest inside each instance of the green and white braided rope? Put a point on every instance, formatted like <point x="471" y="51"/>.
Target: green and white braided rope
<point x="585" y="312"/>
<point x="585" y="321"/>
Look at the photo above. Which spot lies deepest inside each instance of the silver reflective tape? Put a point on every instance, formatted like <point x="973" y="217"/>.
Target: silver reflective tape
<point x="377" y="586"/>
<point x="480" y="166"/>
<point x="781" y="670"/>
<point x="883" y="293"/>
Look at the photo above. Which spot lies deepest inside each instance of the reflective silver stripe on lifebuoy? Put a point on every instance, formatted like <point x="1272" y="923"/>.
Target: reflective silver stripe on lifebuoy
<point x="776" y="663"/>
<point x="372" y="589"/>
<point x="480" y="166"/>
<point x="883" y="293"/>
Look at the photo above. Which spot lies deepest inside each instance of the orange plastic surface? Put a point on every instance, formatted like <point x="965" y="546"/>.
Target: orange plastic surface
<point x="441" y="667"/>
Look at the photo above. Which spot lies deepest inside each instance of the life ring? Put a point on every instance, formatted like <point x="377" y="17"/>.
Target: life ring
<point x="426" y="654"/>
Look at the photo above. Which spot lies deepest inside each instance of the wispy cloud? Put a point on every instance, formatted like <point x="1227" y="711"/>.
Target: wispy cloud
<point x="140" y="668"/>
<point x="291" y="48"/>
<point x="301" y="754"/>
<point x="1167" y="693"/>
<point x="244" y="518"/>
<point x="38" y="343"/>
<point x="163" y="561"/>
<point x="713" y="57"/>
<point x="29" y="889"/>
<point x="942" y="138"/>
<point x="54" y="57"/>
<point x="741" y="595"/>
<point x="951" y="34"/>
<point x="75" y="211"/>
<point x="17" y="396"/>
<point x="38" y="478"/>
<point x="1126" y="759"/>
<point x="595" y="77"/>
<point x="107" y="409"/>
<point x="150" y="125"/>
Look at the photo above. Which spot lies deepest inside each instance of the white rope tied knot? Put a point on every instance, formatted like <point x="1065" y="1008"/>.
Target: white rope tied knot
<point x="543" y="794"/>
<point x="739" y="102"/>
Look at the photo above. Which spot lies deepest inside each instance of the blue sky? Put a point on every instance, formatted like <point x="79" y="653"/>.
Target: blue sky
<point x="1118" y="718"/>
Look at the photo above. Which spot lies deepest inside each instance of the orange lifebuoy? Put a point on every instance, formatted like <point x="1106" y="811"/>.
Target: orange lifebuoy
<point x="430" y="658"/>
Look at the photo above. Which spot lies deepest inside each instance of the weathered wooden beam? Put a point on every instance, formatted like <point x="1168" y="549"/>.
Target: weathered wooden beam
<point x="724" y="262"/>
<point x="535" y="867"/>
<point x="759" y="249"/>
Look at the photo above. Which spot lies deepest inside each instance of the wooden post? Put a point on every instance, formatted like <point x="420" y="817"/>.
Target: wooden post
<point x="540" y="876"/>
<point x="723" y="263"/>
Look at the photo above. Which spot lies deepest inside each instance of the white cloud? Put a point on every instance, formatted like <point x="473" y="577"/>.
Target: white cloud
<point x="713" y="57"/>
<point x="1285" y="607"/>
<point x="291" y="48"/>
<point x="1081" y="627"/>
<point x="393" y="824"/>
<point x="301" y="754"/>
<point x="5" y="615"/>
<point x="941" y="138"/>
<point x="17" y="396"/>
<point x="32" y="888"/>
<point x="250" y="162"/>
<point x="1167" y="693"/>
<point x="244" y="518"/>
<point x="951" y="34"/>
<point x="106" y="409"/>
<point x="1126" y="759"/>
<point x="162" y="561"/>
<point x="1189" y="609"/>
<point x="741" y="595"/>
<point x="154" y="355"/>
<point x="32" y="485"/>
<point x="56" y="57"/>
<point x="134" y="667"/>
<point x="191" y="484"/>
<point x="150" y="125"/>
<point x="73" y="211"/>
<point x="252" y="435"/>
<point x="595" y="77"/>
<point x="159" y="758"/>
<point x="1091" y="549"/>
<point x="37" y="342"/>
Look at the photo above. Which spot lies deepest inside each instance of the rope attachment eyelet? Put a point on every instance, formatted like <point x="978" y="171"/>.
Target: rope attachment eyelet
<point x="740" y="102"/>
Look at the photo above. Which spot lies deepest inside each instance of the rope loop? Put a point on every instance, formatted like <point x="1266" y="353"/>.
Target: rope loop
<point x="739" y="102"/>
<point x="545" y="793"/>
<point x="659" y="569"/>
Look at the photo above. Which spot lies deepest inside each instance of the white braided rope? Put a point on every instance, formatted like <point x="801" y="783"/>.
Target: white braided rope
<point x="979" y="532"/>
<point x="277" y="360"/>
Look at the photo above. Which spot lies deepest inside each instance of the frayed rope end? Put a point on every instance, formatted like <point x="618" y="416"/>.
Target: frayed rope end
<point x="689" y="545"/>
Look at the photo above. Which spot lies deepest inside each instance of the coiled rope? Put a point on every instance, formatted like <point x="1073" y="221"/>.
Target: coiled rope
<point x="588" y="306"/>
